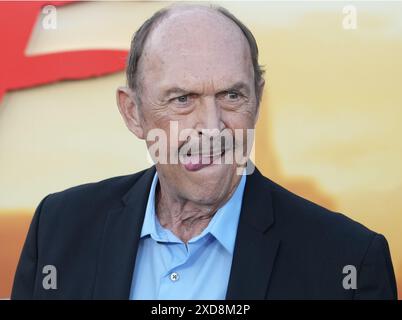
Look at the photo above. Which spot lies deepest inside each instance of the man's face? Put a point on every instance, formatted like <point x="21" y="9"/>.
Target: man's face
<point x="196" y="72"/>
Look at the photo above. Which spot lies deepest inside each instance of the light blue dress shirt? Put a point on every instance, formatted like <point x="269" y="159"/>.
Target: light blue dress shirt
<point x="167" y="268"/>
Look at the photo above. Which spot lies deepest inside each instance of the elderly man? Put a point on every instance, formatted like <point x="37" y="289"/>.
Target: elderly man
<point x="196" y="225"/>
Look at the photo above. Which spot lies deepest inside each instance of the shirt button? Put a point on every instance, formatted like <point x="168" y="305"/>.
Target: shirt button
<point x="174" y="276"/>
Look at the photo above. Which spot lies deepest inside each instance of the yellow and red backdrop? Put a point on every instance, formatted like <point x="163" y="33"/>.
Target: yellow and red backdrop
<point x="329" y="127"/>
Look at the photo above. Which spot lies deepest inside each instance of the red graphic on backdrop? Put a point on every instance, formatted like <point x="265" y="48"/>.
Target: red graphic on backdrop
<point x="18" y="71"/>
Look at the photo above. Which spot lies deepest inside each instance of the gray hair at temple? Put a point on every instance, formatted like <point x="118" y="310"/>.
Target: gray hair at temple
<point x="141" y="35"/>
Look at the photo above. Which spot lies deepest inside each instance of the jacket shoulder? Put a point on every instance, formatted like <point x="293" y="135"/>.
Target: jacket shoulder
<point x="86" y="203"/>
<point x="309" y="220"/>
<point x="104" y="191"/>
<point x="316" y="246"/>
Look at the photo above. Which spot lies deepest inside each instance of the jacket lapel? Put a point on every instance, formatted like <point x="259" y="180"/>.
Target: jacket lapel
<point x="120" y="241"/>
<point x="256" y="248"/>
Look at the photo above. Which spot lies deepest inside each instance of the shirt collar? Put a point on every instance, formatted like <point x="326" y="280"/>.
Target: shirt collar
<point x="223" y="225"/>
<point x="224" y="228"/>
<point x="149" y="225"/>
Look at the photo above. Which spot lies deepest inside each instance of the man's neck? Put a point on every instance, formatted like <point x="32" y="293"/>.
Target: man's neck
<point x="186" y="219"/>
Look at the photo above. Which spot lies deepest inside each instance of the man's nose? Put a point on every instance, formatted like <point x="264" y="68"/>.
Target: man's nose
<point x="209" y="115"/>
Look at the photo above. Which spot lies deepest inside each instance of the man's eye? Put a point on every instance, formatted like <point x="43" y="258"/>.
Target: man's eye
<point x="181" y="99"/>
<point x="233" y="95"/>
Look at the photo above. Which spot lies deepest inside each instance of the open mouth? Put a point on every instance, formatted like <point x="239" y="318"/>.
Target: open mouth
<point x="195" y="162"/>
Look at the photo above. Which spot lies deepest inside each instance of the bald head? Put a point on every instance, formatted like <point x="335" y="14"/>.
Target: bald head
<point x="195" y="31"/>
<point x="192" y="32"/>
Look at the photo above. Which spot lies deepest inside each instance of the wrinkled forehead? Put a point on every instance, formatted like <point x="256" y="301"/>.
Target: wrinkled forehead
<point x="197" y="41"/>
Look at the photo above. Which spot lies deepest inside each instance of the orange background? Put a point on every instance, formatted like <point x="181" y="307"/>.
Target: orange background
<point x="329" y="128"/>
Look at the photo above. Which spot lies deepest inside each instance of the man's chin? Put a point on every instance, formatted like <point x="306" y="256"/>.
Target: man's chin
<point x="208" y="184"/>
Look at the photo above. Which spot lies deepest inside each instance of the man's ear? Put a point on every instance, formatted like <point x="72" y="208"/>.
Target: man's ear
<point x="128" y="108"/>
<point x="260" y="90"/>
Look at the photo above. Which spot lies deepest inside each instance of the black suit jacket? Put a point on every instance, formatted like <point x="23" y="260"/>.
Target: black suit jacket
<point x="286" y="247"/>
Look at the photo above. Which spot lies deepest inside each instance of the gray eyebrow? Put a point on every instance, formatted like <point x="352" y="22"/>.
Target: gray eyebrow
<point x="238" y="86"/>
<point x="175" y="90"/>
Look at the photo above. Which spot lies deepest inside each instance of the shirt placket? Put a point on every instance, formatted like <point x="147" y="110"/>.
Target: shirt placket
<point x="175" y="255"/>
